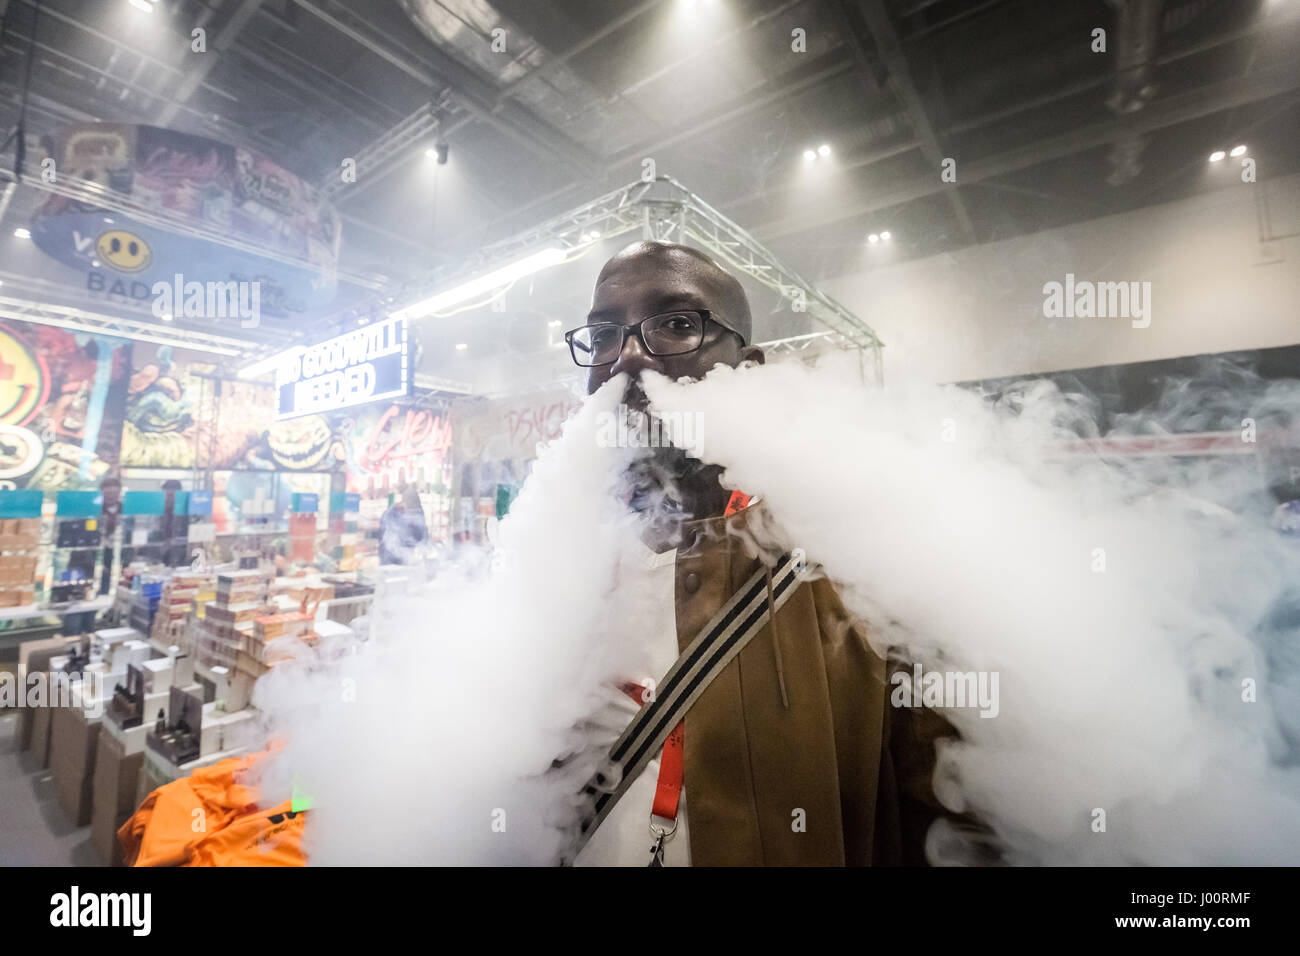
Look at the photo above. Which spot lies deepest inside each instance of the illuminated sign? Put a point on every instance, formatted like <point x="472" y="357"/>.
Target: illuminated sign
<point x="355" y="368"/>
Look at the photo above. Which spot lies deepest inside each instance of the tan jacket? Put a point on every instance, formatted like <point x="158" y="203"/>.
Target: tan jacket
<point x="836" y="777"/>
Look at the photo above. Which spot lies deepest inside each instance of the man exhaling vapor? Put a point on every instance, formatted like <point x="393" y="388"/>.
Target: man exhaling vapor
<point x="792" y="754"/>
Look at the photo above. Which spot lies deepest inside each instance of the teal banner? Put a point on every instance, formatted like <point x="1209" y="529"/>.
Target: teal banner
<point x="144" y="502"/>
<point x="24" y="503"/>
<point x="80" y="504"/>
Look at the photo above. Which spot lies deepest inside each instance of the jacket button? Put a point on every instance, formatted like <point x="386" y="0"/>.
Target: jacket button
<point x="691" y="583"/>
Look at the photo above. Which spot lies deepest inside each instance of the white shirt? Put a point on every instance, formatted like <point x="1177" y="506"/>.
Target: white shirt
<point x="624" y="838"/>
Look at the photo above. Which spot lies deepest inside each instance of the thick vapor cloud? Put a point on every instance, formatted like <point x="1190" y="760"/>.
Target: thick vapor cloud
<point x="1128" y="613"/>
<point x="432" y="742"/>
<point x="1131" y="612"/>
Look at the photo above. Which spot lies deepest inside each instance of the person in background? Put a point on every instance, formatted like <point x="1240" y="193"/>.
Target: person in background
<point x="401" y="528"/>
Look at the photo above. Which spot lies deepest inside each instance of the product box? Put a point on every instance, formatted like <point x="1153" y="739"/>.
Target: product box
<point x="74" y="739"/>
<point x="235" y="613"/>
<point x="34" y="657"/>
<point x="116" y="780"/>
<point x="157" y="675"/>
<point x="41" y="735"/>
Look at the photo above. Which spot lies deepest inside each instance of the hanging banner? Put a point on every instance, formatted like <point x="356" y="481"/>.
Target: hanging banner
<point x="365" y="365"/>
<point x="210" y="185"/>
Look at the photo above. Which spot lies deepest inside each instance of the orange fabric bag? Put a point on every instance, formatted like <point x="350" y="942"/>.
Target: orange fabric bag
<point x="210" y="819"/>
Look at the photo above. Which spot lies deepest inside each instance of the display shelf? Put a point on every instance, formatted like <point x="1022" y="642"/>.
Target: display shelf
<point x="37" y="610"/>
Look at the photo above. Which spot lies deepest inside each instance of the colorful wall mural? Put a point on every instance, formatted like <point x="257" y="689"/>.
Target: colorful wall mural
<point x="61" y="397"/>
<point x="179" y="414"/>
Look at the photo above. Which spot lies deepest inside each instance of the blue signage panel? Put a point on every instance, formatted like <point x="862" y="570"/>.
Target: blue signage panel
<point x="78" y="504"/>
<point x="22" y="503"/>
<point x="200" y="503"/>
<point x="144" y="502"/>
<point x="345" y="501"/>
<point x="304" y="503"/>
<point x="365" y="365"/>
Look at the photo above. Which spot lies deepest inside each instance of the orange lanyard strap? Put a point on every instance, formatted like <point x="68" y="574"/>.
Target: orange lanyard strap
<point x="738" y="501"/>
<point x="668" y="791"/>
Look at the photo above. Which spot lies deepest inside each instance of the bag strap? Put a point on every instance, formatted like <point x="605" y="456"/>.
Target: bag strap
<point x="725" y="636"/>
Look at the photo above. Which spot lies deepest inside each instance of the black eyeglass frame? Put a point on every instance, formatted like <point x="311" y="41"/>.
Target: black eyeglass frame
<point x="706" y="316"/>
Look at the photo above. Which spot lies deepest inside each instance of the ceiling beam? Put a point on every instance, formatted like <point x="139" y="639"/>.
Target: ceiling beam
<point x="891" y="53"/>
<point x="192" y="80"/>
<point x="1160" y="114"/>
<point x="474" y="92"/>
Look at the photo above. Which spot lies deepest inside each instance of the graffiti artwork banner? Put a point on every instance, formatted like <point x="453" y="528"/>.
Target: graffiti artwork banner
<point x="61" y="402"/>
<point x="231" y="191"/>
<point x="182" y="412"/>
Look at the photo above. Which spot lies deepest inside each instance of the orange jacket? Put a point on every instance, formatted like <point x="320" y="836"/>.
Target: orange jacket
<point x="210" y="819"/>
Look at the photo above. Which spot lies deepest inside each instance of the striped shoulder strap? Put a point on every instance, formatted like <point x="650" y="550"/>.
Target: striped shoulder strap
<point x="734" y="626"/>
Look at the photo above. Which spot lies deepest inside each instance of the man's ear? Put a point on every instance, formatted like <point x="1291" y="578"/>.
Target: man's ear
<point x="752" y="353"/>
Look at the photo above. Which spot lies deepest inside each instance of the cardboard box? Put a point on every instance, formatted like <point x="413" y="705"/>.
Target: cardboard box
<point x="236" y="613"/>
<point x="74" y="741"/>
<point x="41" y="735"/>
<point x="116" y="781"/>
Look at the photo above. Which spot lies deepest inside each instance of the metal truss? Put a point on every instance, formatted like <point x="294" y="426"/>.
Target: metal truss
<point x="392" y="147"/>
<point x="665" y="209"/>
<point x="433" y="383"/>
<point x="98" y="323"/>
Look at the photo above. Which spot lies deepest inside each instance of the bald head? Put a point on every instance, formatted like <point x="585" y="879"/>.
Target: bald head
<point x="656" y="278"/>
<point x="725" y="294"/>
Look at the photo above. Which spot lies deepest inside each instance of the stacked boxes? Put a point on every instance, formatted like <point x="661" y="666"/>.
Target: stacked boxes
<point x="242" y="587"/>
<point x="146" y="594"/>
<point x="217" y="635"/>
<point x="177" y="596"/>
<point x="19" y="543"/>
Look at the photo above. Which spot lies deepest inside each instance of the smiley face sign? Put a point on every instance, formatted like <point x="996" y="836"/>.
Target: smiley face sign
<point x="123" y="251"/>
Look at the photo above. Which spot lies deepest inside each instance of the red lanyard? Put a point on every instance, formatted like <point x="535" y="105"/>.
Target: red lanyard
<point x="668" y="792"/>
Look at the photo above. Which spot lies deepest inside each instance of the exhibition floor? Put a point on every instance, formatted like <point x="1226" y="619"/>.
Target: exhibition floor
<point x="33" y="828"/>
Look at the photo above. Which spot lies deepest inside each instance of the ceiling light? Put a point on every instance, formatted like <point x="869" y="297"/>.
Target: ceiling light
<point x="461" y="346"/>
<point x="94" y="263"/>
<point x="429" y="153"/>
<point x="595" y="233"/>
<point x="166" y="316"/>
<point x="823" y="150"/>
<point x="484" y="283"/>
<point x="873" y="238"/>
<point x="809" y="155"/>
<point x="142" y="5"/>
<point x="885" y="234"/>
<point x="554" y="323"/>
<point x="1238" y="150"/>
<point x="1217" y="155"/>
<point x="22" y="233"/>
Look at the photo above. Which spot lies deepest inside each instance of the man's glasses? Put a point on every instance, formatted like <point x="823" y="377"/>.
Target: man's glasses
<point x="672" y="333"/>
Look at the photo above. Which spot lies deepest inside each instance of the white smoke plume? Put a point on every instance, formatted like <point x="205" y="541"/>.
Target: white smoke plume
<point x="1121" y="608"/>
<point x="1125" y="616"/>
<point x="432" y="742"/>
